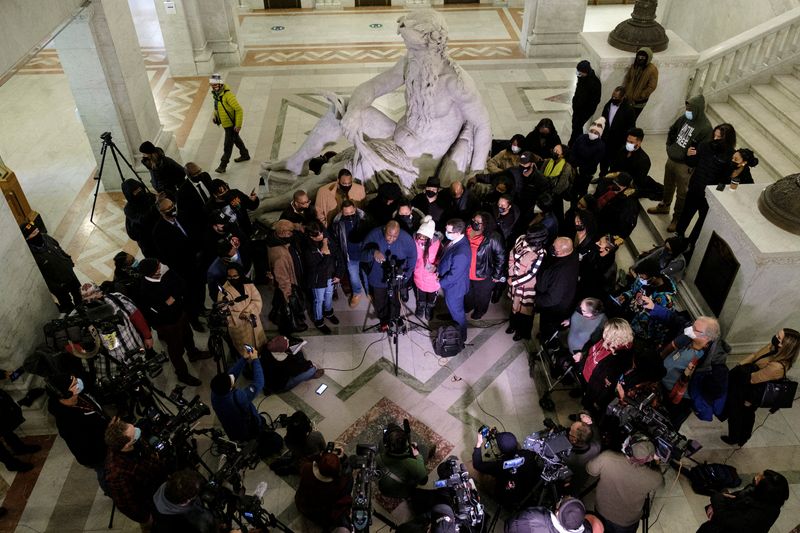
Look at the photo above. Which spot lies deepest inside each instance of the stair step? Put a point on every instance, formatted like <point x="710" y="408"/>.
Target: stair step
<point x="774" y="160"/>
<point x="786" y="108"/>
<point x="788" y="85"/>
<point x="761" y="131"/>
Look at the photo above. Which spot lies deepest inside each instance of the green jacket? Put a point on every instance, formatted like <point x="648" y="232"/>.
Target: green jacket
<point x="401" y="474"/>
<point x="226" y="108"/>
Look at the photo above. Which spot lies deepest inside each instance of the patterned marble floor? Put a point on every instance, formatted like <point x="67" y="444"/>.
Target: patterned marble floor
<point x="447" y="400"/>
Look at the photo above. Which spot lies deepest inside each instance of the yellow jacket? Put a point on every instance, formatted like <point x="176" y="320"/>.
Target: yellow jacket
<point x="226" y="108"/>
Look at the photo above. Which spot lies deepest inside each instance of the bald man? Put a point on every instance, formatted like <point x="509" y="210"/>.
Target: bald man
<point x="383" y="247"/>
<point x="556" y="286"/>
<point x="458" y="202"/>
<point x="181" y="251"/>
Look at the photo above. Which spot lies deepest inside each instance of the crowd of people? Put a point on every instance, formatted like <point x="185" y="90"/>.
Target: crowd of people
<point x="528" y="229"/>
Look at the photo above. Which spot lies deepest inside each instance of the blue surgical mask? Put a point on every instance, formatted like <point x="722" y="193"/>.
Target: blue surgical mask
<point x="630" y="147"/>
<point x="450" y="236"/>
<point x="135" y="263"/>
<point x="137" y="434"/>
<point x="79" y="386"/>
<point x="689" y="115"/>
<point x="644" y="282"/>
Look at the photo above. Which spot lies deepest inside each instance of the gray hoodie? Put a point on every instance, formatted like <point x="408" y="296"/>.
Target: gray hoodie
<point x="685" y="133"/>
<point x="198" y="518"/>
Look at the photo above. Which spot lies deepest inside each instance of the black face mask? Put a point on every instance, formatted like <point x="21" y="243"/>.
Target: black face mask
<point x="475" y="226"/>
<point x="775" y="341"/>
<point x="716" y="144"/>
<point x="36" y="241"/>
<point x="406" y="219"/>
<point x="579" y="227"/>
<point x="345" y="189"/>
<point x="431" y="194"/>
<point x="348" y="218"/>
<point x="616" y="102"/>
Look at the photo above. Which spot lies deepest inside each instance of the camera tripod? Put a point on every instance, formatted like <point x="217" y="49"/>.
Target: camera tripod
<point x="398" y="325"/>
<point x="109" y="143"/>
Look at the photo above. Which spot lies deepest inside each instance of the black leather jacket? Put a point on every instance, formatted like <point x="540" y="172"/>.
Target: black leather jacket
<point x="490" y="260"/>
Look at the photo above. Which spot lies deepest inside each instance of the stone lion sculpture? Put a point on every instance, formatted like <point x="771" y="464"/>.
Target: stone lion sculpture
<point x="445" y="117"/>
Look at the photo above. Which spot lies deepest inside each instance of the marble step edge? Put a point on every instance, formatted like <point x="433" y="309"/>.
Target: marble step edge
<point x="786" y="108"/>
<point x="789" y="85"/>
<point x="769" y="124"/>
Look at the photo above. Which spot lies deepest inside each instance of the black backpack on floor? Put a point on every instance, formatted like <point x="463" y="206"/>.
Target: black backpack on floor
<point x="448" y="342"/>
<point x="714" y="477"/>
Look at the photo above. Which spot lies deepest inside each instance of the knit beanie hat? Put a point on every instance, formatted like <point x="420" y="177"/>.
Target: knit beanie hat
<point x="427" y="227"/>
<point x="506" y="442"/>
<point x="571" y="513"/>
<point x="598" y="126"/>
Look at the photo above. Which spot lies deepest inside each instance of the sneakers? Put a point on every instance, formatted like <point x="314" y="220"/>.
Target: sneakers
<point x="322" y="327"/>
<point x="296" y="345"/>
<point x="190" y="380"/>
<point x="509" y="330"/>
<point x="354" y="299"/>
<point x="221" y="169"/>
<point x="660" y="209"/>
<point x="332" y="318"/>
<point x="319" y="373"/>
<point x="242" y="158"/>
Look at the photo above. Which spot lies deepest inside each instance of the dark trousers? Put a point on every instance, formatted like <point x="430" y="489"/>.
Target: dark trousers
<point x="611" y="527"/>
<point x="578" y="120"/>
<point x="384" y="308"/>
<point x="478" y="297"/>
<point x="455" y="304"/>
<point x="426" y="299"/>
<point x="695" y="203"/>
<point x="179" y="338"/>
<point x="522" y="324"/>
<point x="579" y="187"/>
<point x="14" y="442"/>
<point x="231" y="138"/>
<point x="68" y="296"/>
<point x="741" y="417"/>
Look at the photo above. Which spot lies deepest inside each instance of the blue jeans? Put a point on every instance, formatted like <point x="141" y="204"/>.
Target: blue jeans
<point x="299" y="378"/>
<point x="323" y="300"/>
<point x="354" y="271"/>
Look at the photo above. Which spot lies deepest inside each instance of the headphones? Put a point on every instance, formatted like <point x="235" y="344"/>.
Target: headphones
<point x="633" y="438"/>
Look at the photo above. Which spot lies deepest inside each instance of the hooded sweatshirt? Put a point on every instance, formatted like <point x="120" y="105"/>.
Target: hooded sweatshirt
<point x="685" y="133"/>
<point x="174" y="517"/>
<point x="640" y="82"/>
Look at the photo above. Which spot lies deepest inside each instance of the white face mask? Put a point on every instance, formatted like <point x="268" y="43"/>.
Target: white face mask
<point x="689" y="115"/>
<point x="689" y="332"/>
<point x="450" y="236"/>
<point x="516" y="149"/>
<point x="630" y="147"/>
<point x="593" y="136"/>
<point x="162" y="269"/>
<point x="644" y="282"/>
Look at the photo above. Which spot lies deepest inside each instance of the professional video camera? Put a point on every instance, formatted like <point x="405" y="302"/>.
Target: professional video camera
<point x="553" y="447"/>
<point x="363" y="464"/>
<point x="465" y="501"/>
<point x="168" y="433"/>
<point x="135" y="372"/>
<point x="645" y="418"/>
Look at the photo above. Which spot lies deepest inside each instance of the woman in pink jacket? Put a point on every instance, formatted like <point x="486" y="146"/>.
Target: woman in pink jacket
<point x="425" y="278"/>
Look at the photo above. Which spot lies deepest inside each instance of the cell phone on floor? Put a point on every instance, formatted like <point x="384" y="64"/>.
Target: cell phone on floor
<point x="322" y="388"/>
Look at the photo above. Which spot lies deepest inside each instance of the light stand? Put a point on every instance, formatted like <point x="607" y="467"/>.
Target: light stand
<point x="109" y="143"/>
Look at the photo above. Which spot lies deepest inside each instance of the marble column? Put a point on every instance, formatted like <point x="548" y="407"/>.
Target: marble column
<point x="220" y="26"/>
<point x="100" y="54"/>
<point x="27" y="303"/>
<point x="550" y="28"/>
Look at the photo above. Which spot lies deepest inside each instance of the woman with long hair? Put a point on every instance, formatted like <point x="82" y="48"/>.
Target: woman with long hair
<point x="524" y="263"/>
<point x="754" y="509"/>
<point x="244" y="321"/>
<point x="770" y="363"/>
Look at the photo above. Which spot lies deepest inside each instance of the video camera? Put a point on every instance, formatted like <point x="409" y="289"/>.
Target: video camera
<point x="168" y="432"/>
<point x="647" y="419"/>
<point x="137" y="371"/>
<point x="464" y="498"/>
<point x="553" y="448"/>
<point x="363" y="464"/>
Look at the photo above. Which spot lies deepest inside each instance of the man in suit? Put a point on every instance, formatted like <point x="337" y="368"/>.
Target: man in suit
<point x="454" y="272"/>
<point x="619" y="119"/>
<point x="192" y="197"/>
<point x="177" y="248"/>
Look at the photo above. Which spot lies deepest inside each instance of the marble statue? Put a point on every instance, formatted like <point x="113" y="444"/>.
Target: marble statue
<point x="445" y="116"/>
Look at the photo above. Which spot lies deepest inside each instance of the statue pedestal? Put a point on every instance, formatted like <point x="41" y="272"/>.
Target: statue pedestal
<point x="764" y="292"/>
<point x="675" y="65"/>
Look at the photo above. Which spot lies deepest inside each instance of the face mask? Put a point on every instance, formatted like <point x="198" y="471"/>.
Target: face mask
<point x="515" y="149"/>
<point x="689" y="332"/>
<point x="556" y="155"/>
<point x="345" y="189"/>
<point x="616" y="102"/>
<point x="406" y="219"/>
<point x="37" y="241"/>
<point x="137" y="434"/>
<point x="431" y="194"/>
<point x="775" y="341"/>
<point x="172" y="212"/>
<point x="580" y="227"/>
<point x="79" y="386"/>
<point x="593" y="136"/>
<point x="630" y="147"/>
<point x="644" y="282"/>
<point x="135" y="263"/>
<point x="162" y="269"/>
<point x="450" y="236"/>
<point x="502" y="210"/>
<point x="689" y="115"/>
<point x="475" y="226"/>
<point x="348" y="218"/>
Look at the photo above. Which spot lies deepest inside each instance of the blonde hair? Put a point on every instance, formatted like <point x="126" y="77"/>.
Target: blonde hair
<point x="617" y="333"/>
